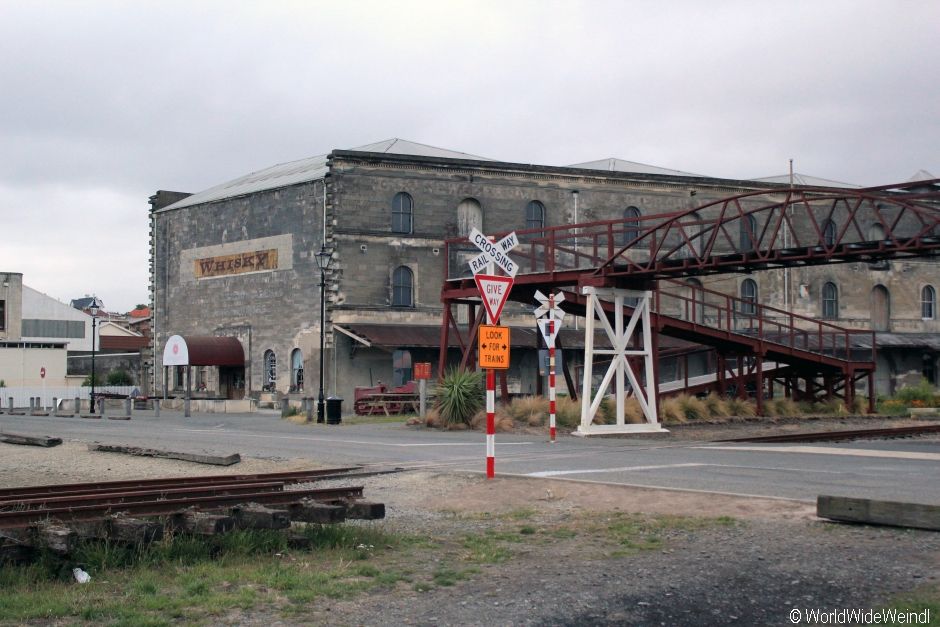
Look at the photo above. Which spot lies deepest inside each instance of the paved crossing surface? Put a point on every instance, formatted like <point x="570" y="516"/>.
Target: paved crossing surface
<point x="907" y="470"/>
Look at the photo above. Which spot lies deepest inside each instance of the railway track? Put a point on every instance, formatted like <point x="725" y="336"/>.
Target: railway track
<point x="834" y="436"/>
<point x="73" y="503"/>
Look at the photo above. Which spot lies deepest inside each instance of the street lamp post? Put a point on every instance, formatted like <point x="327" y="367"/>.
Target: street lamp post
<point x="324" y="258"/>
<point x="93" y="310"/>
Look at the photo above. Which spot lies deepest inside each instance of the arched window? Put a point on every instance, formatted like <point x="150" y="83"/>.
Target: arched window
<point x="631" y="225"/>
<point x="928" y="303"/>
<point x="876" y="232"/>
<point x="297" y="370"/>
<point x="534" y="215"/>
<point x="469" y="215"/>
<point x="269" y="376"/>
<point x="829" y="234"/>
<point x="830" y="301"/>
<point x="401" y="367"/>
<point x="749" y="297"/>
<point x="402" y="206"/>
<point x="747" y="237"/>
<point x="402" y="287"/>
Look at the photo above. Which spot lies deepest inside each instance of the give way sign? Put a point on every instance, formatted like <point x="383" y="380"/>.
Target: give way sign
<point x="495" y="291"/>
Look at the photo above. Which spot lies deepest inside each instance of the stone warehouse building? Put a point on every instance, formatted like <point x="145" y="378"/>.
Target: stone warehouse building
<point x="239" y="260"/>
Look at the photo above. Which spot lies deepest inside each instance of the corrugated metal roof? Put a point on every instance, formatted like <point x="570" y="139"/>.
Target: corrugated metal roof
<point x="620" y="165"/>
<point x="807" y="180"/>
<point x="921" y="175"/>
<point x="309" y="169"/>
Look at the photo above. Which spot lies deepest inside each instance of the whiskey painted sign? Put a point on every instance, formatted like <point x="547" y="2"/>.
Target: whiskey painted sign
<point x="254" y="261"/>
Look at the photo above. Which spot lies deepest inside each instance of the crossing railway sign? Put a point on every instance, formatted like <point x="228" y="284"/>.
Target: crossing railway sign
<point x="550" y="305"/>
<point x="495" y="291"/>
<point x="493" y="252"/>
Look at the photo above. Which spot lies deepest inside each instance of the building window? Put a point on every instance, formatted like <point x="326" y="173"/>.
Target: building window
<point x="749" y="297"/>
<point x="402" y="206"/>
<point x="928" y="303"/>
<point x="830" y="301"/>
<point x="829" y="234"/>
<point x="876" y="232"/>
<point x="180" y="377"/>
<point x="748" y="233"/>
<point x="297" y="370"/>
<point x="631" y="225"/>
<point x="270" y="370"/>
<point x="401" y="367"/>
<point x="535" y="215"/>
<point x="469" y="216"/>
<point x="3" y="315"/>
<point x="402" y="287"/>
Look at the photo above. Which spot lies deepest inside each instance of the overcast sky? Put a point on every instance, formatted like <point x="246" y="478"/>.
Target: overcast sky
<point x="106" y="102"/>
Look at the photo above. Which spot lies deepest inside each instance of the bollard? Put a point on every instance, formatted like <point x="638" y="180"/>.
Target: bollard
<point x="101" y="407"/>
<point x="186" y="408"/>
<point x="156" y="407"/>
<point x="78" y="405"/>
<point x="55" y="405"/>
<point x="127" y="406"/>
<point x="308" y="405"/>
<point x="11" y="403"/>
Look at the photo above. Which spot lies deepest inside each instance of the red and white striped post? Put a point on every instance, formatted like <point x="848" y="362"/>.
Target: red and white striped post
<point x="551" y="371"/>
<point x="490" y="423"/>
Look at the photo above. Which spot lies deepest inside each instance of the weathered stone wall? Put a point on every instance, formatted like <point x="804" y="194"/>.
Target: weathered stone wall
<point x="266" y="308"/>
<point x="279" y="309"/>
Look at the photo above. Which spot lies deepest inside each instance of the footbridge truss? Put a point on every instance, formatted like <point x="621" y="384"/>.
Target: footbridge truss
<point x="644" y="264"/>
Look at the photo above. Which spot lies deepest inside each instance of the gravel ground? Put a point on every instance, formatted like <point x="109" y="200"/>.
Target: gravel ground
<point x="772" y="557"/>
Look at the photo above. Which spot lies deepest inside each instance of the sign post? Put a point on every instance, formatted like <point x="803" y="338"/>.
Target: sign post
<point x="493" y="340"/>
<point x="549" y="328"/>
<point x="422" y="374"/>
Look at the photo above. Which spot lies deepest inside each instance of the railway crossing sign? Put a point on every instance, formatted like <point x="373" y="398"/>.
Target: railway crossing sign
<point x="550" y="305"/>
<point x="495" y="292"/>
<point x="493" y="252"/>
<point x="493" y="347"/>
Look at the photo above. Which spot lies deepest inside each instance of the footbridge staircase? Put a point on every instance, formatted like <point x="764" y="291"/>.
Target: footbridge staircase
<point x="639" y="280"/>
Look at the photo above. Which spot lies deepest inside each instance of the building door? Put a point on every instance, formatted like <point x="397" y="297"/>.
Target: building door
<point x="232" y="382"/>
<point x="880" y="308"/>
<point x="469" y="215"/>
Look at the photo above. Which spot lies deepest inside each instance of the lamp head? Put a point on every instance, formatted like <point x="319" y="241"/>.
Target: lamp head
<point x="324" y="257"/>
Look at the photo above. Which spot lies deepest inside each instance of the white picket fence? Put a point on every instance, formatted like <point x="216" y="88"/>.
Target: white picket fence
<point x="21" y="395"/>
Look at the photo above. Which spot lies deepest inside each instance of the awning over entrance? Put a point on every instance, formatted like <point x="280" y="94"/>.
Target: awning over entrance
<point x="203" y="350"/>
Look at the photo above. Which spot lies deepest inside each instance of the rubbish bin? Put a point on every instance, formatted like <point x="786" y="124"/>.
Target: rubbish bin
<point x="334" y="410"/>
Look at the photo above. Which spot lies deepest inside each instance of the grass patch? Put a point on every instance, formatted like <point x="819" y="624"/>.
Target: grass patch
<point x="486" y="549"/>
<point x="187" y="579"/>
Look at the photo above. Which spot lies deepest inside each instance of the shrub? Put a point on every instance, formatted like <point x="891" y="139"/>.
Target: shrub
<point x="717" y="407"/>
<point x="120" y="377"/>
<point x="923" y="392"/>
<point x="670" y="411"/>
<point x="741" y="407"/>
<point x="98" y="380"/>
<point x="567" y="412"/>
<point x="693" y="408"/>
<point x="460" y="396"/>
<point x="530" y="410"/>
<point x="781" y="407"/>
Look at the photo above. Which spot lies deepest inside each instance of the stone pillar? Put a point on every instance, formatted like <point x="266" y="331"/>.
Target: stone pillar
<point x="156" y="407"/>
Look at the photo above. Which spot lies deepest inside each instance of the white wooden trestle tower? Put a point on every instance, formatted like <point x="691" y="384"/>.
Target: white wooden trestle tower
<point x="620" y="372"/>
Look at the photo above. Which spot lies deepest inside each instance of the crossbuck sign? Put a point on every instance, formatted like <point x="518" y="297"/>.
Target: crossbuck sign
<point x="493" y="252"/>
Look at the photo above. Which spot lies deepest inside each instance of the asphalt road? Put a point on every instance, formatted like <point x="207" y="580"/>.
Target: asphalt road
<point x="907" y="470"/>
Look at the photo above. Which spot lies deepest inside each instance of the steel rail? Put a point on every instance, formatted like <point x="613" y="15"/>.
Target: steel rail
<point x="19" y="519"/>
<point x="830" y="436"/>
<point x="288" y="477"/>
<point x="117" y="498"/>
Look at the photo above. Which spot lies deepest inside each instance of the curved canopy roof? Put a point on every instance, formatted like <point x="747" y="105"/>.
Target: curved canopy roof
<point x="203" y="350"/>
